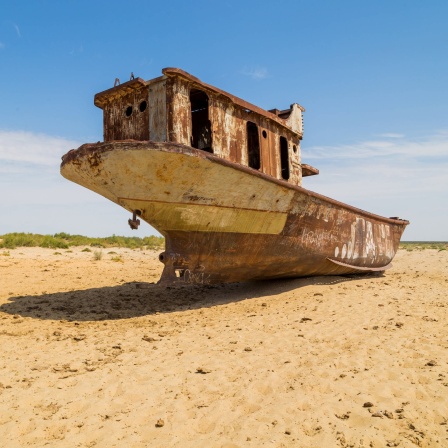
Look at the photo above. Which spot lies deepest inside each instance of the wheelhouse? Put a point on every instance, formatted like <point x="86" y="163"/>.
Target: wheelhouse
<point x="177" y="107"/>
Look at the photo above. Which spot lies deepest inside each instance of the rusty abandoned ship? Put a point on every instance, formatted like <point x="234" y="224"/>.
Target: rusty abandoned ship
<point x="221" y="180"/>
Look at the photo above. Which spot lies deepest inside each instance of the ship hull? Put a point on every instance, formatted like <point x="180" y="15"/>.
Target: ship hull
<point x="223" y="222"/>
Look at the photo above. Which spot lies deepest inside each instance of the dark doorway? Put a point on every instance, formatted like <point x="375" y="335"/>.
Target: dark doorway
<point x="201" y="137"/>
<point x="284" y="158"/>
<point x="253" y="146"/>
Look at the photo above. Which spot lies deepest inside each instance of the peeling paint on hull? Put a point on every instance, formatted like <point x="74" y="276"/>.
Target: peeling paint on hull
<point x="224" y="222"/>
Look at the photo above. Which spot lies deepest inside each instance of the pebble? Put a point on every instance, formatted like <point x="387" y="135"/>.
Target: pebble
<point x="160" y="423"/>
<point x="343" y="416"/>
<point x="148" y="339"/>
<point x="367" y="404"/>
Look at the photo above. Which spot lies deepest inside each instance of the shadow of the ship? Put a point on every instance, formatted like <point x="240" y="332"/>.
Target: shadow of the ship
<point x="127" y="301"/>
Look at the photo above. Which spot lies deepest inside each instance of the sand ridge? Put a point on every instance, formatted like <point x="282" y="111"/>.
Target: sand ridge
<point x="90" y="360"/>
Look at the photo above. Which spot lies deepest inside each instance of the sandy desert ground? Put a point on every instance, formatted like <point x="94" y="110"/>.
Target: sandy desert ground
<point x="89" y="360"/>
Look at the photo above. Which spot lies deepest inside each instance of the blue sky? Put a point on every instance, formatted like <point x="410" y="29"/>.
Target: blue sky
<point x="373" y="77"/>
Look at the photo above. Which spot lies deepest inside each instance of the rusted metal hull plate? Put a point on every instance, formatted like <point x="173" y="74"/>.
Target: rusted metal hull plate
<point x="224" y="222"/>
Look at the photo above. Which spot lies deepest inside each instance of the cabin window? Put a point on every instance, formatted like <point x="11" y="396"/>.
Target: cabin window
<point x="284" y="158"/>
<point x="253" y="146"/>
<point x="143" y="106"/>
<point x="201" y="137"/>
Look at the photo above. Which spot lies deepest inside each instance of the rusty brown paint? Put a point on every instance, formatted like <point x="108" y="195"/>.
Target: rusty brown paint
<point x="308" y="170"/>
<point x="222" y="220"/>
<point x="115" y="93"/>
<point x="124" y="118"/>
